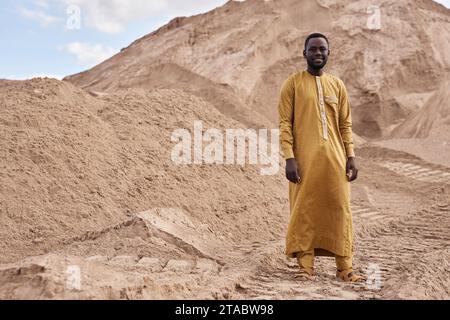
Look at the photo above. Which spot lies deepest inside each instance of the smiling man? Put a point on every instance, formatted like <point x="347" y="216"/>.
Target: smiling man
<point x="316" y="139"/>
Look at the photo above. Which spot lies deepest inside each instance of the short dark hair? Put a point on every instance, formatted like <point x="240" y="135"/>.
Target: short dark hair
<point x="315" y="35"/>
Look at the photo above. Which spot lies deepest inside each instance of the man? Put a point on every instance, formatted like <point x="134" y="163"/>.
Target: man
<point x="316" y="139"/>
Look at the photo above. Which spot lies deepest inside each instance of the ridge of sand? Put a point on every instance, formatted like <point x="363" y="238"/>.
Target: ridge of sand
<point x="73" y="162"/>
<point x="250" y="47"/>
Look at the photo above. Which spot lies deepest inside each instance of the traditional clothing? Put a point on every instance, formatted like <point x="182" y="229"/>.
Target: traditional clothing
<point x="315" y="129"/>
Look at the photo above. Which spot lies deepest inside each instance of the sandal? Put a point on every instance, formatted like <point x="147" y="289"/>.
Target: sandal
<point x="349" y="276"/>
<point x="305" y="274"/>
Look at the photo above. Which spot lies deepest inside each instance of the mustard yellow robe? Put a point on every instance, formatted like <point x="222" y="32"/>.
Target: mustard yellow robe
<point x="316" y="130"/>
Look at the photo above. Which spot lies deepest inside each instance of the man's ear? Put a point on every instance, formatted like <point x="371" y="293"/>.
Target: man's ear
<point x="304" y="53"/>
<point x="329" y="52"/>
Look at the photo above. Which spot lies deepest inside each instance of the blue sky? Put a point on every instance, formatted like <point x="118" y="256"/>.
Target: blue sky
<point x="61" y="37"/>
<point x="43" y="37"/>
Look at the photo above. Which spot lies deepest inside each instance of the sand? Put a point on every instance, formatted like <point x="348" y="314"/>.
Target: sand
<point x="93" y="207"/>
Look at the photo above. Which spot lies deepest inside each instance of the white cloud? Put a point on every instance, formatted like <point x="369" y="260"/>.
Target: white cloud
<point x="444" y="2"/>
<point x="112" y="16"/>
<point x="42" y="3"/>
<point x="38" y="15"/>
<point x="90" y="54"/>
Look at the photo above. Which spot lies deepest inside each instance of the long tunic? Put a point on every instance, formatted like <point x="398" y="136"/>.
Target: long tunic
<point x="316" y="130"/>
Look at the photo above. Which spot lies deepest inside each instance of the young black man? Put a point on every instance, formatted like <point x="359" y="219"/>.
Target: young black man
<point x="316" y="139"/>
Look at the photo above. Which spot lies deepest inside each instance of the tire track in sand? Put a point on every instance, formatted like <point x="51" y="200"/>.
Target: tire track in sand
<point x="398" y="237"/>
<point x="422" y="172"/>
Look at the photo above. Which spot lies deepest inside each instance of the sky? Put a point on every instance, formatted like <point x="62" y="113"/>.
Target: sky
<point x="56" y="38"/>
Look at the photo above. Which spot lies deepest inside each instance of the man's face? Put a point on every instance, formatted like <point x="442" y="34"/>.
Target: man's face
<point x="316" y="53"/>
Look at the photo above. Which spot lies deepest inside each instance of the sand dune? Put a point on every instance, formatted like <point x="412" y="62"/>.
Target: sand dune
<point x="74" y="162"/>
<point x="251" y="47"/>
<point x="93" y="206"/>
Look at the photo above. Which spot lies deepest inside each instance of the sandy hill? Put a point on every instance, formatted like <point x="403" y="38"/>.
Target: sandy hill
<point x="74" y="162"/>
<point x="88" y="187"/>
<point x="426" y="132"/>
<point x="239" y="54"/>
<point x="433" y="119"/>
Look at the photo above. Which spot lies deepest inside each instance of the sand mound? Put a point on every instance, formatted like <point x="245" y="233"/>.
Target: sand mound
<point x="173" y="76"/>
<point x="433" y="118"/>
<point x="74" y="162"/>
<point x="92" y="206"/>
<point x="426" y="130"/>
<point x="248" y="48"/>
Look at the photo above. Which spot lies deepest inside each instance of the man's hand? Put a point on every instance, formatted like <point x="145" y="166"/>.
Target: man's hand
<point x="352" y="171"/>
<point x="292" y="172"/>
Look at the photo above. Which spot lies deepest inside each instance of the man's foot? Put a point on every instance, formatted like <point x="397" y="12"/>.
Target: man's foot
<point x="349" y="276"/>
<point x="305" y="274"/>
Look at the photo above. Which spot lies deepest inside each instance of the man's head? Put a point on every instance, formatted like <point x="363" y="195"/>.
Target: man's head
<point x="316" y="50"/>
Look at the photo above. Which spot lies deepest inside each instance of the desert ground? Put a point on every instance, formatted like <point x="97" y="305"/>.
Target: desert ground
<point x="93" y="207"/>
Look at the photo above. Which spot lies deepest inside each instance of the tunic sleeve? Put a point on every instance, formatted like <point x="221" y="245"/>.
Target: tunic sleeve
<point x="345" y="121"/>
<point x="286" y="117"/>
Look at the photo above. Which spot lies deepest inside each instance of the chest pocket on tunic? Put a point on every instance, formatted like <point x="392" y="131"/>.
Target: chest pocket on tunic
<point x="332" y="103"/>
